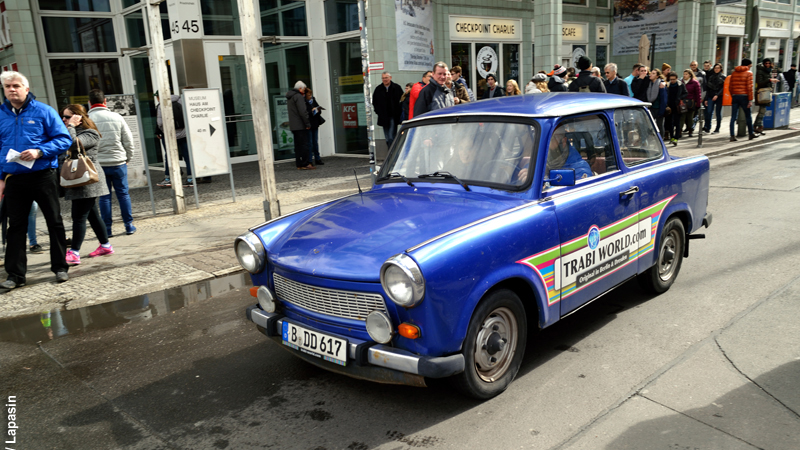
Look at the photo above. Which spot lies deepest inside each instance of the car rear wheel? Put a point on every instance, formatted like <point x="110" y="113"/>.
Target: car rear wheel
<point x="494" y="345"/>
<point x="660" y="277"/>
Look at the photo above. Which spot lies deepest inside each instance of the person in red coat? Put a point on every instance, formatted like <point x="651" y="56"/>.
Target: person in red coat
<point x="426" y="78"/>
<point x="741" y="89"/>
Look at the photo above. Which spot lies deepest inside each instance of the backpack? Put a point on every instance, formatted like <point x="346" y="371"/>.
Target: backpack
<point x="584" y="89"/>
<point x="177" y="114"/>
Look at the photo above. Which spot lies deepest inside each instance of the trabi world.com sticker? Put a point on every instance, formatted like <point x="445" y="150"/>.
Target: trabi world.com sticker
<point x="594" y="237"/>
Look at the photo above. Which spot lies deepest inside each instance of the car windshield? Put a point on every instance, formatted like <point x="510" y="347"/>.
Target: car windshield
<point x="492" y="153"/>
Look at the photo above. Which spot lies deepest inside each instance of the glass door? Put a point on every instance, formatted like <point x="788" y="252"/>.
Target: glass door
<point x="285" y="65"/>
<point x="487" y="61"/>
<point x="236" y="102"/>
<point x="347" y="89"/>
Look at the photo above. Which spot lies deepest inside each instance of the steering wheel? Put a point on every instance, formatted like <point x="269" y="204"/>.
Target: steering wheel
<point x="508" y="169"/>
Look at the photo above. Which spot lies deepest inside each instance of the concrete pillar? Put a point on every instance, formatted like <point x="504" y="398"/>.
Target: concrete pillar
<point x="547" y="34"/>
<point x="689" y="25"/>
<point x="708" y="31"/>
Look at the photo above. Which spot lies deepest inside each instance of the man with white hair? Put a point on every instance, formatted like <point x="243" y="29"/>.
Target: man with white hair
<point x="32" y="136"/>
<point x="386" y="101"/>
<point x="299" y="124"/>
<point x="613" y="83"/>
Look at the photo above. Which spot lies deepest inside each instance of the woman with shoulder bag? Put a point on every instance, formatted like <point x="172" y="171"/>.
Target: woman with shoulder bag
<point x="315" y="117"/>
<point x="693" y="99"/>
<point x="84" y="198"/>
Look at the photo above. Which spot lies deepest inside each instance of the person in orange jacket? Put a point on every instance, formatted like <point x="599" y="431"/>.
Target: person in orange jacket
<point x="741" y="89"/>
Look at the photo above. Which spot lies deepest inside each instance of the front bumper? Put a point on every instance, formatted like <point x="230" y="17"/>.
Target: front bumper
<point x="368" y="360"/>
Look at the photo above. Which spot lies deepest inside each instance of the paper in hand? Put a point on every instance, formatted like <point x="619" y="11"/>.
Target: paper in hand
<point x="13" y="156"/>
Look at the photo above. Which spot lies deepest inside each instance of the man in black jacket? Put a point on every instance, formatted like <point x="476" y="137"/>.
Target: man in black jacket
<point x="763" y="80"/>
<point x="585" y="81"/>
<point x="613" y="83"/>
<point x="386" y="101"/>
<point x="791" y="79"/>
<point x="492" y="90"/>
<point x="299" y="123"/>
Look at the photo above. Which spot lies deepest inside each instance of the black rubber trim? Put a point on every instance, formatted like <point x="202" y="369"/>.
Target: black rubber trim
<point x="441" y="367"/>
<point x="272" y="323"/>
<point x="362" y="353"/>
<point x="248" y="312"/>
<point x="707" y="220"/>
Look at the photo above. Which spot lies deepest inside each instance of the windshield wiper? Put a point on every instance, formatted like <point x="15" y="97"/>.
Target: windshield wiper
<point x="395" y="175"/>
<point x="445" y="175"/>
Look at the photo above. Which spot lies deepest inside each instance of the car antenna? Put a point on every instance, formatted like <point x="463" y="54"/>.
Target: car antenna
<point x="357" y="184"/>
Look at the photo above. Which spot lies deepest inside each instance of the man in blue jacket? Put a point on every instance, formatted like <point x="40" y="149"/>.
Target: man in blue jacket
<point x="32" y="136"/>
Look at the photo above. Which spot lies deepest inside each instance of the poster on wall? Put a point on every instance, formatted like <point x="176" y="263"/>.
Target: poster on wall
<point x="414" y="21"/>
<point x="633" y="18"/>
<point x="125" y="106"/>
<point x="284" y="139"/>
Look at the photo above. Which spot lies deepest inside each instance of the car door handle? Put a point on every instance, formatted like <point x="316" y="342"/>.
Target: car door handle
<point x="630" y="191"/>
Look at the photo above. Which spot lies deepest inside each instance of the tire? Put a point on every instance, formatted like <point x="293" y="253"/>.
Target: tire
<point x="659" y="278"/>
<point x="494" y="345"/>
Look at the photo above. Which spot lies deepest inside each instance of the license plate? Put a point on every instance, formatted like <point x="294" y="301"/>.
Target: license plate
<point x="314" y="343"/>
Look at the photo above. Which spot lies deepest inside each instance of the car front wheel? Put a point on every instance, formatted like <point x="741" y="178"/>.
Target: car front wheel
<point x="494" y="345"/>
<point x="660" y="277"/>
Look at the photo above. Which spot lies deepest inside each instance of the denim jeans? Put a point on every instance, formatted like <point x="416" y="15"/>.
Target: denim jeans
<point x="117" y="177"/>
<point x="390" y="131"/>
<point x="740" y="101"/>
<point x="32" y="224"/>
<point x="313" y="145"/>
<point x="710" y="110"/>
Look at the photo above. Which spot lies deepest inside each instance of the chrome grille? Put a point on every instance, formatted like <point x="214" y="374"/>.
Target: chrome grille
<point x="345" y="304"/>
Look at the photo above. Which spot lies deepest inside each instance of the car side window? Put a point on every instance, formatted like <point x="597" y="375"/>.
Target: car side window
<point x="583" y="144"/>
<point x="638" y="139"/>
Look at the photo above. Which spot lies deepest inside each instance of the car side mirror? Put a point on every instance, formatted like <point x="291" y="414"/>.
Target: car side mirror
<point x="561" y="177"/>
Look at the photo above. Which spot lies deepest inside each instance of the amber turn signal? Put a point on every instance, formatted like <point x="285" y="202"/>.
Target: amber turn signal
<point x="409" y="331"/>
<point x="254" y="291"/>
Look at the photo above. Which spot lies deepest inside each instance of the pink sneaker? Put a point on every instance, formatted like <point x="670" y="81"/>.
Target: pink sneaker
<point x="102" y="251"/>
<point x="73" y="258"/>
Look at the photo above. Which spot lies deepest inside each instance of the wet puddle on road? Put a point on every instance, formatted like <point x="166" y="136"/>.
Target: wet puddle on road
<point x="57" y="323"/>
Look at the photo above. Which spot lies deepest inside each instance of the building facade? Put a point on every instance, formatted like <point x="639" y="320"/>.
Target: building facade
<point x="68" y="47"/>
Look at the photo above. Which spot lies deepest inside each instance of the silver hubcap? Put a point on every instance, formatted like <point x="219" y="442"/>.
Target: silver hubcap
<point x="496" y="344"/>
<point x="668" y="255"/>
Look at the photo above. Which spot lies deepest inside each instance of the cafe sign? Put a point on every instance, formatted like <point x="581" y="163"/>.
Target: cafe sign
<point x="730" y="20"/>
<point x="574" y="32"/>
<point x="470" y="28"/>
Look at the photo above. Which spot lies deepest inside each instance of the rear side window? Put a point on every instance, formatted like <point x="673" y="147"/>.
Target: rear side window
<point x="638" y="139"/>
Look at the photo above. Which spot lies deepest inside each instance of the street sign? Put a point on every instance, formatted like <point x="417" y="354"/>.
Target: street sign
<point x="205" y="129"/>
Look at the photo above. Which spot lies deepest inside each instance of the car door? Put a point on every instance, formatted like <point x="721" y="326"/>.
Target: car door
<point x="597" y="217"/>
<point x="642" y="150"/>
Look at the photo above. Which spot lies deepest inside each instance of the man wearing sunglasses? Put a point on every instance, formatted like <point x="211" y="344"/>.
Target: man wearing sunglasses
<point x="32" y="136"/>
<point x="613" y="83"/>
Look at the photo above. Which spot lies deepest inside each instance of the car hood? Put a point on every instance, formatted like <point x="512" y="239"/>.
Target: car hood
<point x="350" y="239"/>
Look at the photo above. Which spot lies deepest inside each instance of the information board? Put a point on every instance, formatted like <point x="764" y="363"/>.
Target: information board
<point x="125" y="106"/>
<point x="205" y="130"/>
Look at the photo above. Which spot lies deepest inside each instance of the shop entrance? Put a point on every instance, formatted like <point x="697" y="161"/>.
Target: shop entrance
<point x="347" y="90"/>
<point x="477" y="60"/>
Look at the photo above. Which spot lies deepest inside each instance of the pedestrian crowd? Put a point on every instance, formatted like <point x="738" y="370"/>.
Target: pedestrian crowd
<point x="676" y="97"/>
<point x="46" y="155"/>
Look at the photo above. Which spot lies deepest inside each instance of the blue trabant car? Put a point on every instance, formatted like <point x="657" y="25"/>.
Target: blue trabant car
<point x="487" y="221"/>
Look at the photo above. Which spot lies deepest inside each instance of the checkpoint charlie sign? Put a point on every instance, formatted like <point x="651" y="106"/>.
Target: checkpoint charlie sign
<point x="205" y="127"/>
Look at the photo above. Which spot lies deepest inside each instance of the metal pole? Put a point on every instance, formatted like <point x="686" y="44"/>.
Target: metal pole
<point x="702" y="115"/>
<point x="190" y="163"/>
<point x="254" y="60"/>
<point x="158" y="68"/>
<point x="144" y="150"/>
<point x="362" y="22"/>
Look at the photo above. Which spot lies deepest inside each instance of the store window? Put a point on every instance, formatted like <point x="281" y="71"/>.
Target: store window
<point x="347" y="88"/>
<point x="136" y="29"/>
<point x="510" y="63"/>
<point x="287" y="18"/>
<point x="79" y="34"/>
<point x="129" y="3"/>
<point x="461" y="57"/>
<point x="601" y="56"/>
<point x="285" y="65"/>
<point x="486" y="62"/>
<point x="75" y="5"/>
<point x="220" y="18"/>
<point x="74" y="78"/>
<point x="341" y="16"/>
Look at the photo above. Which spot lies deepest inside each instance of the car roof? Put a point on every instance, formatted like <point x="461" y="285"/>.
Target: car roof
<point x="552" y="104"/>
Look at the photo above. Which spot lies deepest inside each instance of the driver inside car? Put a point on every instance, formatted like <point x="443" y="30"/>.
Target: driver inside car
<point x="562" y="155"/>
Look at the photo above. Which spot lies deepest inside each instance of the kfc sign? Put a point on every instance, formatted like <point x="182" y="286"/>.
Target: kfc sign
<point x="350" y="115"/>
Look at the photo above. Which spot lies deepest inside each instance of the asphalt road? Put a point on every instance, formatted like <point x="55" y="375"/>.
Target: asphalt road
<point x="201" y="377"/>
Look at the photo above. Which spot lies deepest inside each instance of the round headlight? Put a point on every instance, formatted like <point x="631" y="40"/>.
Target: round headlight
<point x="250" y="252"/>
<point x="402" y="280"/>
<point x="379" y="327"/>
<point x="265" y="299"/>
